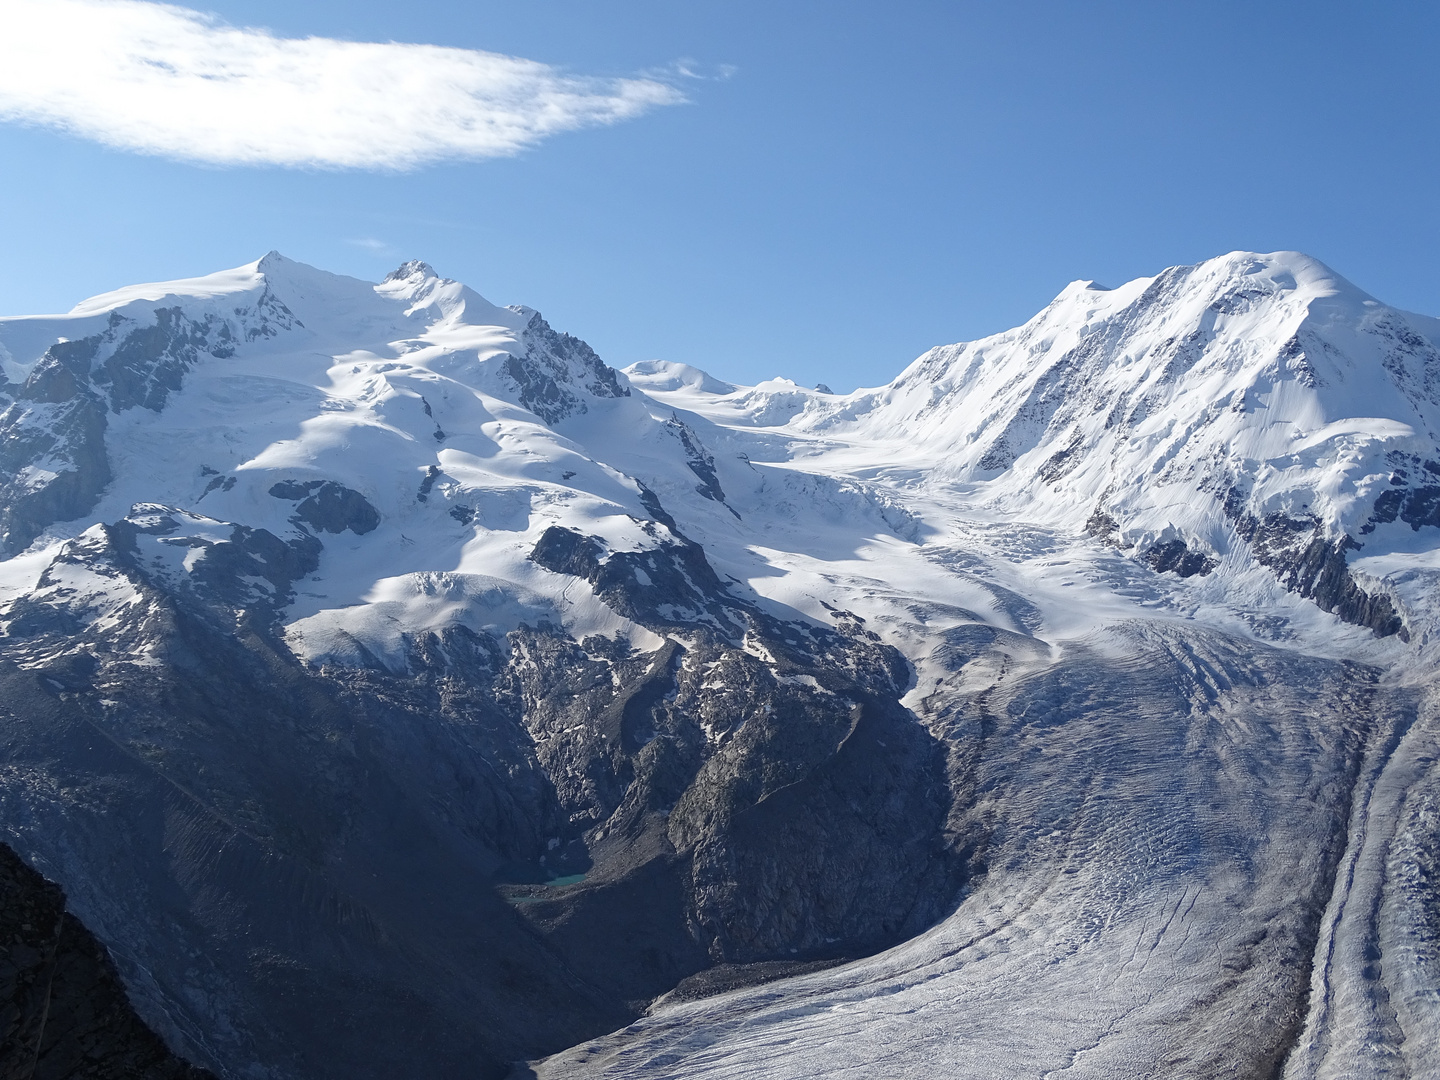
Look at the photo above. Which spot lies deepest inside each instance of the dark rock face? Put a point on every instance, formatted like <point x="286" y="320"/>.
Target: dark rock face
<point x="1413" y="497"/>
<point x="1174" y="556"/>
<point x="699" y="460"/>
<point x="1297" y="550"/>
<point x="556" y="366"/>
<point x="64" y="1014"/>
<point x="540" y="393"/>
<point x="52" y="458"/>
<point x="1415" y="506"/>
<point x="267" y="318"/>
<point x="53" y="465"/>
<point x="150" y="362"/>
<point x="1313" y="565"/>
<point x="806" y="800"/>
<point x="1102" y="526"/>
<point x="250" y="569"/>
<point x="329" y="507"/>
<point x="1062" y="462"/>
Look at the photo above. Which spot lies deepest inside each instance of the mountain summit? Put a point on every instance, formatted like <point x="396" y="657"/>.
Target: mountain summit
<point x="1253" y="408"/>
<point x="374" y="653"/>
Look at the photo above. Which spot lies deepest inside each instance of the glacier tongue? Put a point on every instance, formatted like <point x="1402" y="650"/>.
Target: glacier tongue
<point x="1064" y="707"/>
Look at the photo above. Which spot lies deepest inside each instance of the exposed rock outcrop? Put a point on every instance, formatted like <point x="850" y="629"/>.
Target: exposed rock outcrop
<point x="64" y="1014"/>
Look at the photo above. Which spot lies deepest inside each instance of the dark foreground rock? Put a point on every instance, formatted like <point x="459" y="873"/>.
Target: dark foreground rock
<point x="64" y="1014"/>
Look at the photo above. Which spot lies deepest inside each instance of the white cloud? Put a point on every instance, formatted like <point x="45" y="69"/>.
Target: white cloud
<point x="686" y="68"/>
<point x="166" y="80"/>
<point x="370" y="244"/>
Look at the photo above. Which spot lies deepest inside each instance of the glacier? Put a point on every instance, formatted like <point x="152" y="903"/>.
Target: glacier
<point x="395" y="688"/>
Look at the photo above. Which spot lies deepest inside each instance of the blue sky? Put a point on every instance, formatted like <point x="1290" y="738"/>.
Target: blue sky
<point x="845" y="185"/>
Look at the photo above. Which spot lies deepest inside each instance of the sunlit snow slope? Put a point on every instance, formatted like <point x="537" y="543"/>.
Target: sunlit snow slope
<point x="1063" y="708"/>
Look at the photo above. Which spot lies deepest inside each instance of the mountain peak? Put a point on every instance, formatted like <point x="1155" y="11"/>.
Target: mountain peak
<point x="1278" y="272"/>
<point x="412" y="270"/>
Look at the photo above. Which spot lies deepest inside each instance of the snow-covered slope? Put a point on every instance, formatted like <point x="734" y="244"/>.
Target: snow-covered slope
<point x="443" y="417"/>
<point x="1251" y="408"/>
<point x="1025" y="660"/>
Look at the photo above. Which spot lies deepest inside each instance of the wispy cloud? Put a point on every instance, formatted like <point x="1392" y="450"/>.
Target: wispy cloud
<point x="165" y="80"/>
<point x="370" y="244"/>
<point x="686" y="68"/>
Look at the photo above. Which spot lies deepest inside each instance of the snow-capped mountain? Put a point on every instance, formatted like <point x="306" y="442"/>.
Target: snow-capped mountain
<point x="1258" y="407"/>
<point x="375" y="652"/>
